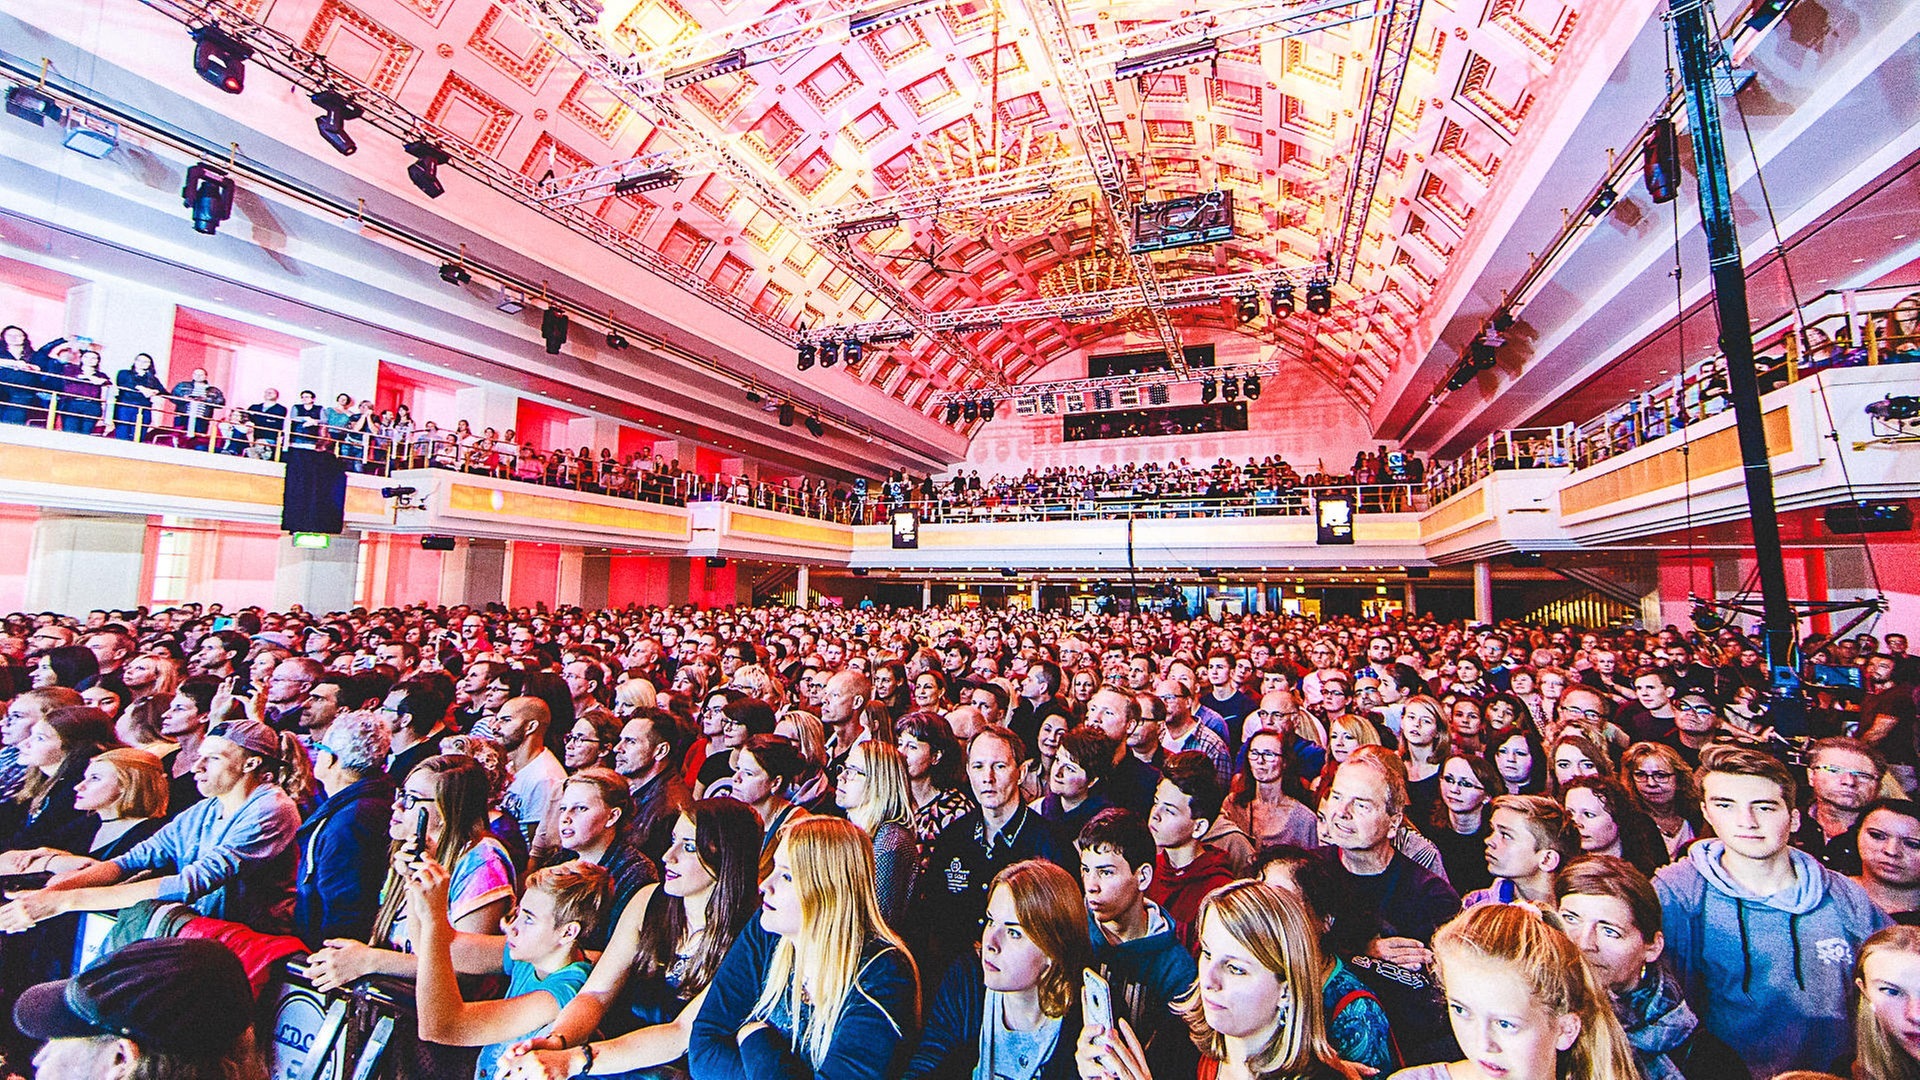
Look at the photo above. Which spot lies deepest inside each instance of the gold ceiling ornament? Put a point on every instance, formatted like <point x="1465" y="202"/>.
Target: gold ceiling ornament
<point x="948" y="163"/>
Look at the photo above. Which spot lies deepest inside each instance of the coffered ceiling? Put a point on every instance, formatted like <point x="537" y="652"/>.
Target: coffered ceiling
<point x="1359" y="137"/>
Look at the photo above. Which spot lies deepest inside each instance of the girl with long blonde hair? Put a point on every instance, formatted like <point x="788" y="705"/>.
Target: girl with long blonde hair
<point x="872" y="789"/>
<point x="1523" y="1001"/>
<point x="1887" y="978"/>
<point x="818" y="985"/>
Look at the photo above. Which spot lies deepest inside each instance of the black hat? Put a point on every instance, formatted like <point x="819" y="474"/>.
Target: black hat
<point x="178" y="995"/>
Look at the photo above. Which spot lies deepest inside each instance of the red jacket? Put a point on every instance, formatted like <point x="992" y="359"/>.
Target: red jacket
<point x="1179" y="892"/>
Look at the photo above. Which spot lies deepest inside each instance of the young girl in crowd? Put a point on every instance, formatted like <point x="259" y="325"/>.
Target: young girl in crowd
<point x="1462" y="822"/>
<point x="1255" y="1011"/>
<point x="1521" y="762"/>
<point x="1523" y="1003"/>
<point x="1014" y="1011"/>
<point x="1424" y="742"/>
<point x="649" y="985"/>
<point x="872" y="790"/>
<point x="818" y="986"/>
<point x="1887" y="979"/>
<point x="1609" y="824"/>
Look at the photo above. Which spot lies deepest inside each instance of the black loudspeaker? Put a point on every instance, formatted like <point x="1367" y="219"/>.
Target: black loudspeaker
<point x="1417" y="573"/>
<point x="1852" y="519"/>
<point x="786" y="414"/>
<point x="715" y="562"/>
<point x="437" y="543"/>
<point x="860" y="571"/>
<point x="1661" y="164"/>
<point x="315" y="500"/>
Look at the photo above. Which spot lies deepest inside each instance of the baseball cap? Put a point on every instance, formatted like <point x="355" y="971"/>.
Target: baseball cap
<point x="185" y="996"/>
<point x="249" y="735"/>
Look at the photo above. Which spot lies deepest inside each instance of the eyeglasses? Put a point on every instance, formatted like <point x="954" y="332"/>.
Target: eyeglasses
<point x="1575" y="710"/>
<point x="407" y="800"/>
<point x="1701" y="710"/>
<point x="1851" y="774"/>
<point x="572" y="740"/>
<point x="1651" y="776"/>
<point x="1263" y="755"/>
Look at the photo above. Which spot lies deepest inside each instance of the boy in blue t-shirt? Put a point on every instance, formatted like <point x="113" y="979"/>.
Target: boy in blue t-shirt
<point x="541" y="959"/>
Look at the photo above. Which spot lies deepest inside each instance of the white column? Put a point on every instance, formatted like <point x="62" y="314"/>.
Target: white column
<point x="318" y="579"/>
<point x="926" y="595"/>
<point x="84" y="561"/>
<point x="570" y="582"/>
<point x="1406" y="598"/>
<point x="123" y="317"/>
<point x="1036" y="594"/>
<point x="803" y="587"/>
<point x="484" y="407"/>
<point x="593" y="431"/>
<point x="331" y="370"/>
<point x="1483" y="592"/>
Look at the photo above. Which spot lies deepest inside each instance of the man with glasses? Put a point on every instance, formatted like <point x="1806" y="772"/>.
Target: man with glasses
<point x="50" y="636"/>
<point x="1320" y="655"/>
<point x="1183" y="731"/>
<point x="1845" y="776"/>
<point x="287" y="688"/>
<point x="1696" y="723"/>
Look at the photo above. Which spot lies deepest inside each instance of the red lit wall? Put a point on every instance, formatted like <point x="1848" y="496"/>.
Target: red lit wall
<point x="16" y="544"/>
<point x="637" y="579"/>
<point x="43" y="316"/>
<point x="543" y="425"/>
<point x="429" y="397"/>
<point x="535" y="575"/>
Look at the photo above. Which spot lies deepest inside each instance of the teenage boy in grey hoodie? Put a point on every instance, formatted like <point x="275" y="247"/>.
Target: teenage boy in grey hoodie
<point x="1761" y="935"/>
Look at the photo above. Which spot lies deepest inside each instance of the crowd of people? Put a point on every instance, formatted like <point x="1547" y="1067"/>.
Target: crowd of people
<point x="764" y="842"/>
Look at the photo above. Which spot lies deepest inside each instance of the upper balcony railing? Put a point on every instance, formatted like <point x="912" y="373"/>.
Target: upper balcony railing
<point x="1842" y="338"/>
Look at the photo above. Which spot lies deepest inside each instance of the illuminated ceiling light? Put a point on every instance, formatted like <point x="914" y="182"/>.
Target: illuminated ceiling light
<point x="553" y="328"/>
<point x="806" y="354"/>
<point x="1184" y="54"/>
<point x="616" y="341"/>
<point x="1319" y="296"/>
<point x="1462" y="374"/>
<point x="1282" y="299"/>
<point x="829" y="352"/>
<point x="220" y="58"/>
<point x="989" y="408"/>
<point x="881" y="16"/>
<point x="972" y="410"/>
<point x="30" y="104"/>
<point x="209" y="194"/>
<point x="953" y="413"/>
<point x="646" y="181"/>
<point x="1247" y="307"/>
<point x="1157" y="394"/>
<point x="876" y="223"/>
<point x="425" y="170"/>
<point x="850" y="351"/>
<point x="725" y="64"/>
<point x="512" y="300"/>
<point x="1250" y="386"/>
<point x="337" y="109"/>
<point x="90" y="133"/>
<point x="1230" y="387"/>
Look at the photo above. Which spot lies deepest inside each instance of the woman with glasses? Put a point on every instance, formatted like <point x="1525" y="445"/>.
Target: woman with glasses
<point x="1461" y="823"/>
<point x="1258" y="803"/>
<point x="740" y="719"/>
<point x="450" y="795"/>
<point x="589" y="743"/>
<point x="872" y="789"/>
<point x="1662" y="787"/>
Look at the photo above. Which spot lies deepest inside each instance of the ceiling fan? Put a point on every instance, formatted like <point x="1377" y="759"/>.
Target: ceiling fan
<point x="931" y="257"/>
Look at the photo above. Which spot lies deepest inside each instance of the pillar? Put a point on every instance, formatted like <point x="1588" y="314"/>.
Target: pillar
<point x="1036" y="594"/>
<point x="318" y="579"/>
<point x="330" y="370"/>
<point x="474" y="572"/>
<point x="486" y="407"/>
<point x="593" y="431"/>
<point x="85" y="561"/>
<point x="570" y="581"/>
<point x="1406" y="598"/>
<point x="926" y="595"/>
<point x="1483" y="592"/>
<point x="112" y="312"/>
<point x="596" y="581"/>
<point x="679" y="581"/>
<point x="803" y="587"/>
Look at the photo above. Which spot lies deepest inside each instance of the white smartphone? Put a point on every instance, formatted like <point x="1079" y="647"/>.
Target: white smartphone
<point x="1096" y="1001"/>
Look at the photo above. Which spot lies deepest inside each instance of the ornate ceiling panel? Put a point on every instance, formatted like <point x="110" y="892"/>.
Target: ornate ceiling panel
<point x="957" y="115"/>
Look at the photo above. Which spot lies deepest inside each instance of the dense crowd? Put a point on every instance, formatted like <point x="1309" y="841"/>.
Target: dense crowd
<point x="887" y="843"/>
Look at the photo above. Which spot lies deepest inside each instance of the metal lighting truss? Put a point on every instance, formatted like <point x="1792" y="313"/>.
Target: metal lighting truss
<point x="1265" y="369"/>
<point x="560" y="26"/>
<point x="1003" y="187"/>
<point x="1050" y="18"/>
<point x="1076" y="307"/>
<point x="1392" y="53"/>
<point x="1233" y="27"/>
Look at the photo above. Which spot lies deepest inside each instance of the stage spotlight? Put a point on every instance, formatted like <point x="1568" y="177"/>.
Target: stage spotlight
<point x="209" y="194"/>
<point x="829" y="352"/>
<point x="953" y="413"/>
<point x="616" y="341"/>
<point x="815" y="427"/>
<point x="1230" y="387"/>
<point x="988" y="408"/>
<point x="90" y="133"/>
<point x="1706" y="620"/>
<point x="1103" y="399"/>
<point x="1209" y="389"/>
<point x="30" y="104"/>
<point x="512" y="301"/>
<point x="1485" y="350"/>
<point x="454" y="273"/>
<point x="1895" y="408"/>
<point x="220" y="58"/>
<point x="1319" y="297"/>
<point x="425" y="170"/>
<point x="1247" y="307"/>
<point x="806" y="353"/>
<point x="332" y="122"/>
<point x="1282" y="299"/>
<point x="1463" y="374"/>
<point x="1250" y="386"/>
<point x="971" y="411"/>
<point x="1157" y="394"/>
<point x="1603" y="201"/>
<point x="850" y="351"/>
<point x="553" y="327"/>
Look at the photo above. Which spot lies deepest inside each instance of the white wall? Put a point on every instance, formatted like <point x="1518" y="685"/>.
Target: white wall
<point x="1298" y="417"/>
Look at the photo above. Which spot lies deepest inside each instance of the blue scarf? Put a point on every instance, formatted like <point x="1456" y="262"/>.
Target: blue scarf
<point x="1658" y="1021"/>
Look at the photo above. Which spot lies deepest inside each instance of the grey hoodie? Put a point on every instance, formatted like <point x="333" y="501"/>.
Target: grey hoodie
<point x="1770" y="975"/>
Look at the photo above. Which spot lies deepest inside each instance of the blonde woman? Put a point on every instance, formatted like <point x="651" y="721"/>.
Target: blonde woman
<point x="1523" y="1003"/>
<point x="1256" y="1011"/>
<point x="1887" y="979"/>
<point x="817" y="985"/>
<point x="1425" y="745"/>
<point x="872" y="789"/>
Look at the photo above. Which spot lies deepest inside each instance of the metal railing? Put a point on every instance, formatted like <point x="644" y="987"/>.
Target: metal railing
<point x="1295" y="501"/>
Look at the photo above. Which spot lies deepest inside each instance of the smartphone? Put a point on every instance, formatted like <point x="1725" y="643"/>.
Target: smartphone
<point x="222" y="623"/>
<point x="420" y="831"/>
<point x="1096" y="1000"/>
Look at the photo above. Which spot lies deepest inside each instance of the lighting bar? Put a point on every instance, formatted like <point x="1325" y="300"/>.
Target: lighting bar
<point x="1184" y="54"/>
<point x="646" y="181"/>
<point x="725" y="64"/>
<point x="884" y="15"/>
<point x="1015" y="198"/>
<point x="90" y="133"/>
<point x="877" y="223"/>
<point x="31" y="105"/>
